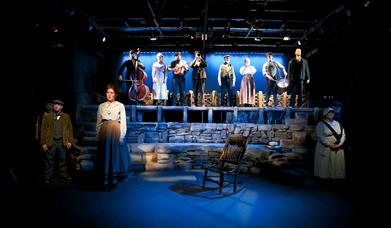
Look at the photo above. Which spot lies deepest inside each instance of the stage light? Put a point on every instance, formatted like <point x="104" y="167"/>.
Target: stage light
<point x="153" y="38"/>
<point x="104" y="39"/>
<point x="299" y="43"/>
<point x="258" y="39"/>
<point x="286" y="38"/>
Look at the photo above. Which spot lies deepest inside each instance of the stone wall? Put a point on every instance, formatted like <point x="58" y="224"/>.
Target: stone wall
<point x="165" y="146"/>
<point x="286" y="135"/>
<point x="184" y="144"/>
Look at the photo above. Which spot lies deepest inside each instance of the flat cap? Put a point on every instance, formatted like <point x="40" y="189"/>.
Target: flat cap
<point x="57" y="102"/>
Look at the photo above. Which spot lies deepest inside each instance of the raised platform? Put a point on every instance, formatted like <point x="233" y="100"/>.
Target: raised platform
<point x="187" y="114"/>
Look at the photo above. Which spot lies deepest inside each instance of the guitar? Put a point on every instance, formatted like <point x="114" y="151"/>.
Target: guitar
<point x="180" y="67"/>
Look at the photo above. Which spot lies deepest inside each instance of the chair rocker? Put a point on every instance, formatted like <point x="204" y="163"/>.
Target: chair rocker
<point x="227" y="167"/>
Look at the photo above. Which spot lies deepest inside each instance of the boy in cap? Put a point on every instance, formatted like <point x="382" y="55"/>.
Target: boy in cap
<point x="56" y="139"/>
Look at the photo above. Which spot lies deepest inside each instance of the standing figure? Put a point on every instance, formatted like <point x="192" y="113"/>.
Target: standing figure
<point x="56" y="139"/>
<point x="329" y="155"/>
<point x="247" y="86"/>
<point x="179" y="68"/>
<point x="38" y="123"/>
<point x="299" y="76"/>
<point x="159" y="79"/>
<point x="270" y="71"/>
<point x="198" y="77"/>
<point x="113" y="159"/>
<point x="226" y="79"/>
<point x="130" y="76"/>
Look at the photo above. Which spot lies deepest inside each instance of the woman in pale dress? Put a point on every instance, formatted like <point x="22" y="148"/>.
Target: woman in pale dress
<point x="329" y="154"/>
<point x="159" y="79"/>
<point x="247" y="86"/>
<point x="113" y="161"/>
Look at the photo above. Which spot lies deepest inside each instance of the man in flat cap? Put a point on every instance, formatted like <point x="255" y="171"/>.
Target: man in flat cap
<point x="226" y="79"/>
<point x="56" y="139"/>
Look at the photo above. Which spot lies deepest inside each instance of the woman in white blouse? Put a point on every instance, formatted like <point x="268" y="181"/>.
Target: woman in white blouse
<point x="329" y="153"/>
<point x="113" y="159"/>
<point x="247" y="86"/>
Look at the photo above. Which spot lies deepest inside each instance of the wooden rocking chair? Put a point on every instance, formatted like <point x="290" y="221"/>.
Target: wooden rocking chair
<point x="228" y="164"/>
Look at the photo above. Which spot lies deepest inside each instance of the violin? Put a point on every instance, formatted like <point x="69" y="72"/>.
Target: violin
<point x="138" y="91"/>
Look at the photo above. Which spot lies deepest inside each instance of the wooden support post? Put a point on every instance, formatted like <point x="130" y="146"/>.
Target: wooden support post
<point x="261" y="119"/>
<point x="214" y="98"/>
<point x="284" y="99"/>
<point x="235" y="119"/>
<point x="210" y="115"/>
<point x="238" y="101"/>
<point x="134" y="113"/>
<point x="159" y="114"/>
<point x="191" y="98"/>
<point x="260" y="99"/>
<point x="185" y="108"/>
<point x="288" y="115"/>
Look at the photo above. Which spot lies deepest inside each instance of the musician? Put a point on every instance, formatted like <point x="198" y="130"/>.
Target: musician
<point x="159" y="79"/>
<point x="130" y="66"/>
<point x="272" y="74"/>
<point x="247" y="85"/>
<point x="226" y="79"/>
<point x="299" y="76"/>
<point x="179" y="68"/>
<point x="198" y="77"/>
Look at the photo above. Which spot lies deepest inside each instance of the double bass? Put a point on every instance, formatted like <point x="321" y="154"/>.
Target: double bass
<point x="138" y="90"/>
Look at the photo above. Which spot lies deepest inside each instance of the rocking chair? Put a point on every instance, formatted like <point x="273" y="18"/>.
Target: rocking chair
<point x="228" y="164"/>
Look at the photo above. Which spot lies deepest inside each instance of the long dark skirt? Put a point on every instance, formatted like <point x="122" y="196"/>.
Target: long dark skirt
<point x="113" y="159"/>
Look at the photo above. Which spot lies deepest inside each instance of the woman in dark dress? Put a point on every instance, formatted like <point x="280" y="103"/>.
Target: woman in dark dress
<point x="112" y="152"/>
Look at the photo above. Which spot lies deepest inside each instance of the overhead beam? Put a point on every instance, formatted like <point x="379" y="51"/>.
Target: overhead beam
<point x="91" y="21"/>
<point x="154" y="17"/>
<point x="321" y="22"/>
<point x="205" y="24"/>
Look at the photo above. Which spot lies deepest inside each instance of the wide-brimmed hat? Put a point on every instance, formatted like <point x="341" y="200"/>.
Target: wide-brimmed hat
<point x="57" y="102"/>
<point x="225" y="56"/>
<point x="327" y="110"/>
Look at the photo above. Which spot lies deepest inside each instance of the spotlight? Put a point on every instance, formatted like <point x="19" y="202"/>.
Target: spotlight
<point x="104" y="39"/>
